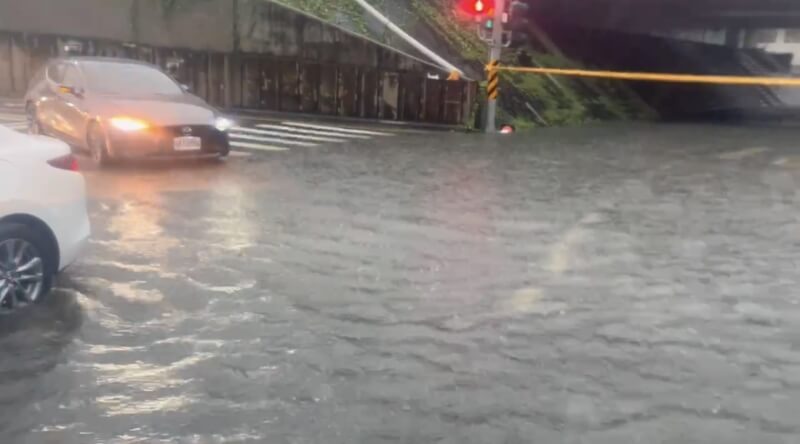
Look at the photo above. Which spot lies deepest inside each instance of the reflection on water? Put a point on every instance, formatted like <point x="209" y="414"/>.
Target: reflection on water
<point x="34" y="345"/>
<point x="137" y="230"/>
<point x="232" y="221"/>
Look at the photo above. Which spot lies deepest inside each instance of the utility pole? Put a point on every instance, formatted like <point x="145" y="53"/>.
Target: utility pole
<point x="495" y="52"/>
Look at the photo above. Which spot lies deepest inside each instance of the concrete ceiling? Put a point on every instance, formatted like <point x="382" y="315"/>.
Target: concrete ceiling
<point x="670" y="14"/>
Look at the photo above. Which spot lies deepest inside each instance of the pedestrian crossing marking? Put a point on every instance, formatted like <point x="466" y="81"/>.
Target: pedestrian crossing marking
<point x="13" y="117"/>
<point x="336" y="129"/>
<point x="271" y="140"/>
<point x="313" y="132"/>
<point x="258" y="146"/>
<point x="290" y="136"/>
<point x="268" y="136"/>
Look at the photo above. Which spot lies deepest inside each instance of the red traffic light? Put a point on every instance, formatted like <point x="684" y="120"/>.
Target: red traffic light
<point x="476" y="8"/>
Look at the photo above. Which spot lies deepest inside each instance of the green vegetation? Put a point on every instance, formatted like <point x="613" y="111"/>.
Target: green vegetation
<point x="341" y="12"/>
<point x="558" y="101"/>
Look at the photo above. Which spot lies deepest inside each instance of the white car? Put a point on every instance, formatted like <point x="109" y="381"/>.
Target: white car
<point x="44" y="223"/>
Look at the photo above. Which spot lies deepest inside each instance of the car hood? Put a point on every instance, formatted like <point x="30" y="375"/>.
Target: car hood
<point x="16" y="147"/>
<point x="158" y="111"/>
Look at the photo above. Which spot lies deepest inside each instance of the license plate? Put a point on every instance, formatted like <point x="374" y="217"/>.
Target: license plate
<point x="188" y="143"/>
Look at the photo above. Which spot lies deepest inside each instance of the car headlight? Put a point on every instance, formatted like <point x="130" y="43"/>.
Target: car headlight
<point x="223" y="124"/>
<point x="129" y="124"/>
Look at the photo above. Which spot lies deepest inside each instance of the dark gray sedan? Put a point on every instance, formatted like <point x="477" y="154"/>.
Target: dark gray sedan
<point x="122" y="109"/>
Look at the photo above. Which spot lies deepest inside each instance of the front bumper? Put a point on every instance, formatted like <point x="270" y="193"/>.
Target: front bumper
<point x="158" y="142"/>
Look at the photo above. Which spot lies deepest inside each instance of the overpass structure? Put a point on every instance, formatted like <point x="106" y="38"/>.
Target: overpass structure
<point x="671" y="14"/>
<point x="705" y="37"/>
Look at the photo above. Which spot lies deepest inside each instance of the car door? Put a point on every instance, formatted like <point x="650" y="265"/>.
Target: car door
<point x="70" y="106"/>
<point x="9" y="178"/>
<point x="45" y="97"/>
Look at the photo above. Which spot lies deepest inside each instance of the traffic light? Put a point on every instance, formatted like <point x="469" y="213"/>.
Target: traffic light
<point x="476" y="9"/>
<point x="519" y="22"/>
<point x="514" y="22"/>
<point x="518" y="13"/>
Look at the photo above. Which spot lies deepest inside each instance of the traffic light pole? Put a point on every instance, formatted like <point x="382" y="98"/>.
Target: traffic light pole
<point x="494" y="59"/>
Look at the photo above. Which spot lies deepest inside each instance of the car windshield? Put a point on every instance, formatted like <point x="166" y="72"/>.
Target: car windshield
<point x="127" y="79"/>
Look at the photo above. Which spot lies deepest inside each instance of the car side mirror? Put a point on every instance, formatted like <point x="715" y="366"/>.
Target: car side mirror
<point x="185" y="87"/>
<point x="64" y="89"/>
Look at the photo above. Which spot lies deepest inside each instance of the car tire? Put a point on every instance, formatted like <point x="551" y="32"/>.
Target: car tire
<point x="34" y="126"/>
<point x="23" y="281"/>
<point x="98" y="147"/>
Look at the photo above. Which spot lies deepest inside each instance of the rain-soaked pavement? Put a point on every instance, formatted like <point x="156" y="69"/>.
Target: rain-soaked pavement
<point x="616" y="284"/>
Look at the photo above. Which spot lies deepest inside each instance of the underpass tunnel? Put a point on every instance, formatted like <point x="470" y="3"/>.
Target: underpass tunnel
<point x="705" y="37"/>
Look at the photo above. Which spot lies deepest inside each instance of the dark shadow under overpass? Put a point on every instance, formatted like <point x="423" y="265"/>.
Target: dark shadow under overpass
<point x="670" y="14"/>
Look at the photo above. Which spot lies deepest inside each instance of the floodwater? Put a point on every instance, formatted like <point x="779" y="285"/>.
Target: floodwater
<point x="619" y="284"/>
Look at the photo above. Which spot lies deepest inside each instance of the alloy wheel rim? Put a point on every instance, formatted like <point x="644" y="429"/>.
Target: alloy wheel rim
<point x="21" y="274"/>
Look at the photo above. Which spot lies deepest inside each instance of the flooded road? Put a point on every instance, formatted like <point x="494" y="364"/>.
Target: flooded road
<point x="620" y="284"/>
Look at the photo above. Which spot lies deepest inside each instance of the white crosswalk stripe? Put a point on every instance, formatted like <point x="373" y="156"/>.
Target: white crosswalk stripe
<point x="13" y="116"/>
<point x="337" y="129"/>
<point x="288" y="135"/>
<point x="16" y="126"/>
<point x="311" y="131"/>
<point x="313" y="138"/>
<point x="270" y="140"/>
<point x="257" y="146"/>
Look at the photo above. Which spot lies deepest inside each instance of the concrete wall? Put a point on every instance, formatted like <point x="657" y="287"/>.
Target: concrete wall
<point x="267" y="28"/>
<point x="207" y="25"/>
<point x="109" y="19"/>
<point x="212" y="25"/>
<point x="711" y="36"/>
<point x="19" y="61"/>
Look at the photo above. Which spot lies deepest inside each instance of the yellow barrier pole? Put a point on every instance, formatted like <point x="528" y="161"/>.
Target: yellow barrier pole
<point x="493" y="80"/>
<point x="659" y="77"/>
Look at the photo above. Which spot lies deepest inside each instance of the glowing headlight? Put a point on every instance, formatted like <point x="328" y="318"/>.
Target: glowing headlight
<point x="223" y="124"/>
<point x="129" y="124"/>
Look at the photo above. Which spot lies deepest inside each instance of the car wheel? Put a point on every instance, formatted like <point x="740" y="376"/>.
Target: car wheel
<point x="26" y="269"/>
<point x="98" y="149"/>
<point x="34" y="126"/>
